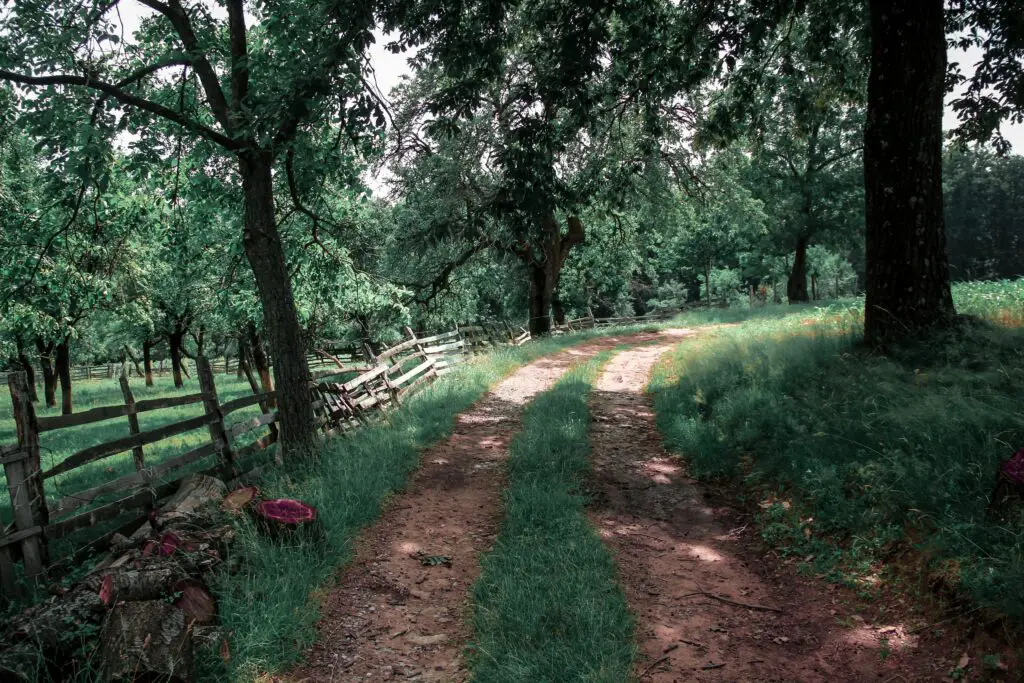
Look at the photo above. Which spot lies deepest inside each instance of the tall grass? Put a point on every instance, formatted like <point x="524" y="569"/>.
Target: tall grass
<point x="868" y="453"/>
<point x="548" y="606"/>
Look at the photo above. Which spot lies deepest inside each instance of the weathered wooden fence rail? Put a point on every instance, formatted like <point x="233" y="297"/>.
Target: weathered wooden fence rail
<point x="233" y="448"/>
<point x="341" y="403"/>
<point x="589" y="322"/>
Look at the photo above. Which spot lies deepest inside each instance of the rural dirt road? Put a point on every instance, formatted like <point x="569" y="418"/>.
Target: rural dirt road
<point x="709" y="605"/>
<point x="675" y="551"/>
<point x="399" y="610"/>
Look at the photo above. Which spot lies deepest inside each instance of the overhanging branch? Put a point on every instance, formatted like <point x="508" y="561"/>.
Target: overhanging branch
<point x="176" y="14"/>
<point x="125" y="98"/>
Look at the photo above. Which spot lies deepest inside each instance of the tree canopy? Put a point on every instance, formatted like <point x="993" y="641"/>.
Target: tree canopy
<point x="204" y="184"/>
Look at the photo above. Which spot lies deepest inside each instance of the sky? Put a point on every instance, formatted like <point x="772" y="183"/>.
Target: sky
<point x="389" y="68"/>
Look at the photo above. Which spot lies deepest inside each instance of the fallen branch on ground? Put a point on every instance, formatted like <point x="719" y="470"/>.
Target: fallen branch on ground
<point x="734" y="603"/>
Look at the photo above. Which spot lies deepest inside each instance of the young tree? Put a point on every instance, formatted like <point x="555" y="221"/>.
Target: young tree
<point x="247" y="87"/>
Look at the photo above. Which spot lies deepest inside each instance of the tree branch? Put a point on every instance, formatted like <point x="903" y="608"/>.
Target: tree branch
<point x="239" y="56"/>
<point x="125" y="98"/>
<point x="176" y="14"/>
<point x="144" y="71"/>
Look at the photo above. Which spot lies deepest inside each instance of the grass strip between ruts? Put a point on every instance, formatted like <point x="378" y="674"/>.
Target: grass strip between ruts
<point x="548" y="606"/>
<point x="269" y="607"/>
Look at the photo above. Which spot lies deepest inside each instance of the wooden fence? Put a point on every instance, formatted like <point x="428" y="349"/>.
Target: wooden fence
<point x="589" y="322"/>
<point x="123" y="503"/>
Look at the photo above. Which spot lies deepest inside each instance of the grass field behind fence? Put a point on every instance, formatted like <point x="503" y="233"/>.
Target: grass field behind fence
<point x="855" y="456"/>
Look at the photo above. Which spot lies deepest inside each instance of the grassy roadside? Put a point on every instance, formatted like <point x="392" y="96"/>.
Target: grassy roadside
<point x="270" y="606"/>
<point x="855" y="457"/>
<point x="548" y="605"/>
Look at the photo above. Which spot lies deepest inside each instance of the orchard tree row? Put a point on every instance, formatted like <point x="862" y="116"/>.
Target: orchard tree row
<point x="202" y="184"/>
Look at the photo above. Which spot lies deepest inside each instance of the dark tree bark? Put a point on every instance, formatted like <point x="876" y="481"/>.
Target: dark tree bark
<point x="64" y="374"/>
<point x="707" y="280"/>
<point x="134" y="359"/>
<point x="540" y="299"/>
<point x="240" y="370"/>
<point x="260" y="363"/>
<point x="266" y="256"/>
<point x="557" y="308"/>
<point x="796" y="286"/>
<point x="174" y="341"/>
<point x="49" y="376"/>
<point x="30" y="372"/>
<point x="546" y="269"/>
<point x="906" y="264"/>
<point x="147" y="361"/>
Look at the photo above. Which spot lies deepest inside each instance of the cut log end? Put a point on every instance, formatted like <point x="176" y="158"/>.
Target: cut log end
<point x="239" y="499"/>
<point x="287" y="517"/>
<point x="196" y="602"/>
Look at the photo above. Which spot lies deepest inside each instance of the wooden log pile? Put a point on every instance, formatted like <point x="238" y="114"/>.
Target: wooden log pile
<point x="147" y="600"/>
<point x="144" y="599"/>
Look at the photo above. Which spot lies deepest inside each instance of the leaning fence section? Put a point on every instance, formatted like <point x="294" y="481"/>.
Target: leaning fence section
<point x="47" y="506"/>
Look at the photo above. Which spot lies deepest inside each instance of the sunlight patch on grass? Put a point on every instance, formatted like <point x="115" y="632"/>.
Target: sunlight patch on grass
<point x="855" y="456"/>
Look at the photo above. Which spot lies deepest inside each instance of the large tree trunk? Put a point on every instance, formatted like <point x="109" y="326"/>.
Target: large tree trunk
<point x="174" y="341"/>
<point x="546" y="271"/>
<point x="557" y="307"/>
<point x="64" y="374"/>
<point x="30" y="372"/>
<point x="907" y="268"/>
<point x="266" y="256"/>
<point x="796" y="286"/>
<point x="147" y="361"/>
<point x="540" y="299"/>
<point x="49" y="376"/>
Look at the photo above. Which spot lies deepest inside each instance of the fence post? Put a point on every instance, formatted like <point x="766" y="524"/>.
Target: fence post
<point x="24" y="480"/>
<point x="133" y="418"/>
<point x="593" y="320"/>
<point x="218" y="433"/>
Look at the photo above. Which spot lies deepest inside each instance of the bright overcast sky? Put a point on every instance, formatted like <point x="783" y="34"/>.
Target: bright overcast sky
<point x="389" y="67"/>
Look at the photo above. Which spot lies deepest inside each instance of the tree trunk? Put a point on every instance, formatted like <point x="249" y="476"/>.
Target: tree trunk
<point x="259" y="359"/>
<point x="49" y="376"/>
<point x="907" y="268"/>
<point x="174" y="341"/>
<point x="30" y="372"/>
<point x="134" y="359"/>
<point x="796" y="286"/>
<point x="266" y="256"/>
<point x="557" y="308"/>
<point x="541" y="293"/>
<point x="546" y="270"/>
<point x="147" y="361"/>
<point x="707" y="281"/>
<point x="814" y="287"/>
<point x="241" y="357"/>
<point x="64" y="374"/>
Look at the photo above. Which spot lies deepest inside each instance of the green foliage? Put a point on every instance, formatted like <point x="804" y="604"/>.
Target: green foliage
<point x="548" y="607"/>
<point x="862" y="453"/>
